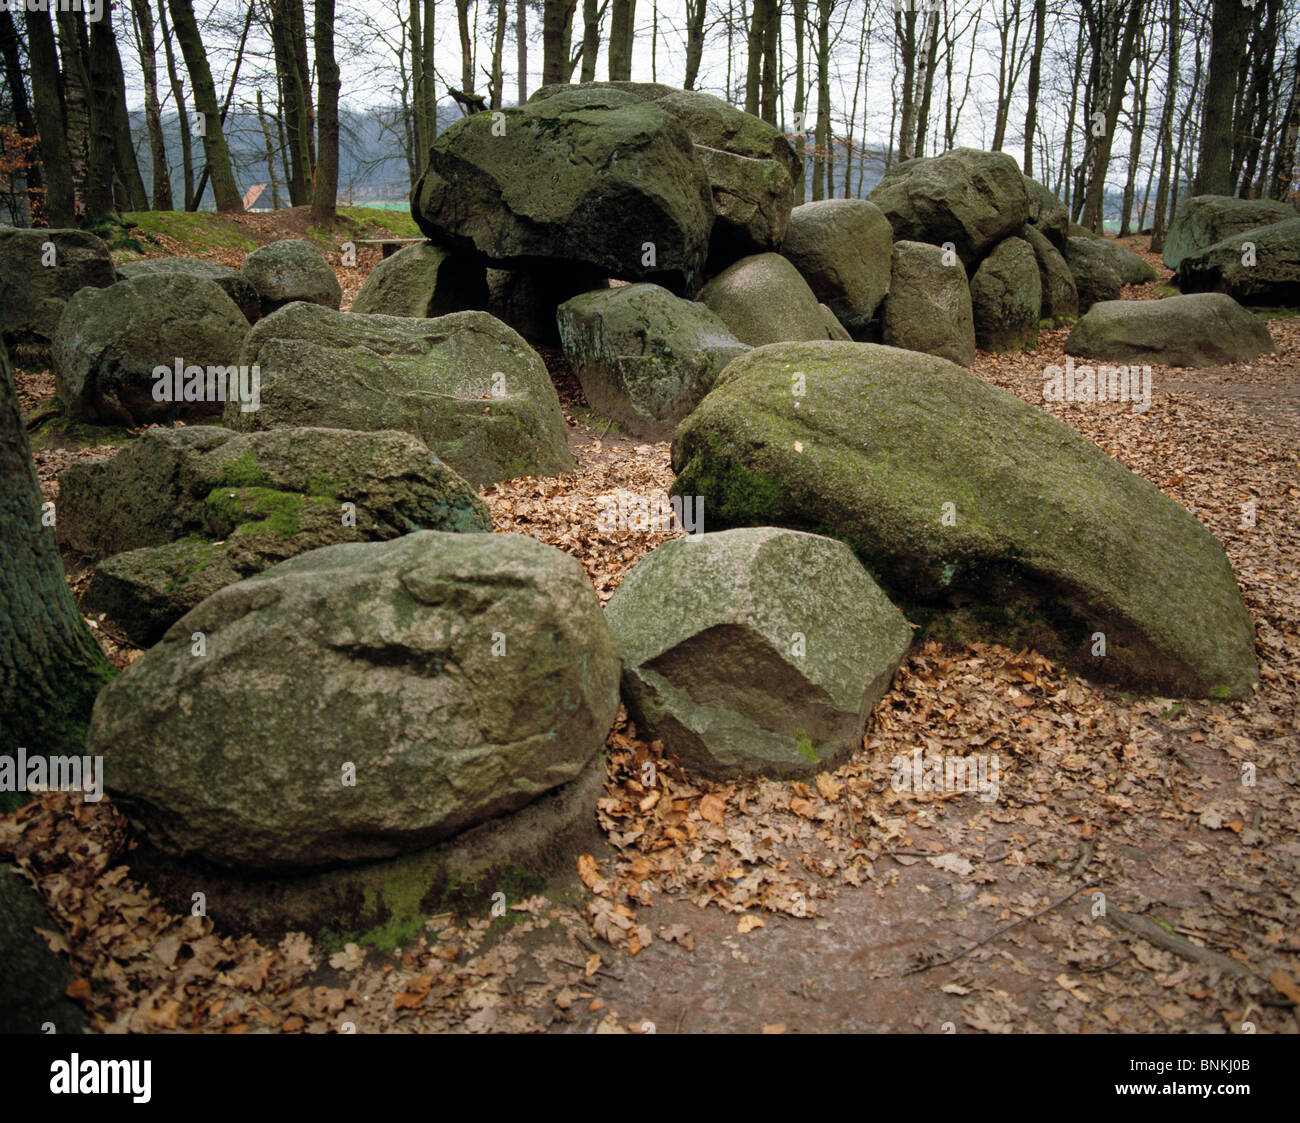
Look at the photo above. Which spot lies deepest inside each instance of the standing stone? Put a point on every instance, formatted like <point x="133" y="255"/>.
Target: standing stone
<point x="457" y="677"/>
<point x="290" y="270"/>
<point x="644" y="357"/>
<point x="1007" y="298"/>
<point x="756" y="652"/>
<point x="1060" y="294"/>
<point x="842" y="248"/>
<point x="39" y="271"/>
<point x="929" y="304"/>
<point x="423" y="280"/>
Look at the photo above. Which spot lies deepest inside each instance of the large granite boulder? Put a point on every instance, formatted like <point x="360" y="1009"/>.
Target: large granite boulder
<point x="465" y="384"/>
<point x="1203" y="220"/>
<point x="1202" y="330"/>
<point x="361" y="701"/>
<point x="423" y="280"/>
<point x="234" y="284"/>
<point x="756" y="651"/>
<point x="842" y="248"/>
<point x="1259" y="266"/>
<point x="39" y="271"/>
<point x="1128" y="266"/>
<point x="643" y="356"/>
<point x="113" y="345"/>
<point x="290" y="270"/>
<point x="1047" y="214"/>
<point x="980" y="512"/>
<point x="32" y="996"/>
<point x="763" y="299"/>
<point x="929" y="304"/>
<point x="751" y="166"/>
<point x="1093" y="270"/>
<point x="1007" y="297"/>
<point x="970" y="198"/>
<point x="185" y="511"/>
<point x="1060" y="294"/>
<point x="596" y="178"/>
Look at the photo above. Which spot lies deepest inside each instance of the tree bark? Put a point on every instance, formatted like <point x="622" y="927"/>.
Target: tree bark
<point x="162" y="184"/>
<point x="591" y="14"/>
<point x="1158" y="225"/>
<point x="521" y="47"/>
<point x="822" y="137"/>
<point x="224" y="191"/>
<point x="51" y="668"/>
<point x="1035" y="77"/>
<point x="270" y="154"/>
<point x="557" y="15"/>
<point x="622" y="27"/>
<point x="178" y="95"/>
<point x="800" y="102"/>
<point x="695" y="13"/>
<point x="325" y="190"/>
<point x="1228" y="28"/>
<point x="124" y="161"/>
<point x="103" y="137"/>
<point x="1284" y="168"/>
<point x="497" y="82"/>
<point x="1112" y="93"/>
<point x="466" y="47"/>
<point x="23" y="117"/>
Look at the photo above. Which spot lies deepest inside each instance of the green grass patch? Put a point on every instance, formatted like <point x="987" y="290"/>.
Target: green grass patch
<point x="199" y="232"/>
<point x="61" y="431"/>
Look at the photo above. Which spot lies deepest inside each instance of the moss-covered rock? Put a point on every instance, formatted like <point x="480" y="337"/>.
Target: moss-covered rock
<point x="756" y="651"/>
<point x="763" y="299"/>
<point x="111" y="340"/>
<point x="423" y="280"/>
<point x="1047" y="214"/>
<point x="1205" y="329"/>
<point x="929" y="304"/>
<point x="1007" y="298"/>
<point x="40" y="270"/>
<point x="35" y="978"/>
<point x="362" y="701"/>
<point x="1203" y="220"/>
<point x="1060" y="294"/>
<point x="1258" y="266"/>
<point x="644" y="357"/>
<point x="231" y="282"/>
<point x="590" y="177"/>
<point x="973" y="508"/>
<point x="289" y="270"/>
<point x="465" y="384"/>
<point x="1093" y="269"/>
<point x="969" y="198"/>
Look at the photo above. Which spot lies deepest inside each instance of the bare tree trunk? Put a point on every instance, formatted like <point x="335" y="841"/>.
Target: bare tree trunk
<point x="162" y="184"/>
<point x="556" y="18"/>
<point x="325" y="190"/>
<point x="466" y="47"/>
<point x="124" y="161"/>
<point x="905" y="30"/>
<point x="1139" y="124"/>
<point x="622" y="26"/>
<point x="1035" y="72"/>
<point x="590" y="38"/>
<point x="23" y="118"/>
<point x="1114" y="87"/>
<point x="74" y="49"/>
<point x="1284" y="168"/>
<point x="927" y="87"/>
<point x="51" y="120"/>
<point x="521" y="47"/>
<point x="1158" y="225"/>
<point x="695" y="12"/>
<point x="270" y="154"/>
<point x="1228" y="29"/>
<point x="178" y="95"/>
<point x="497" y="82"/>
<point x="770" y="81"/>
<point x="822" y="136"/>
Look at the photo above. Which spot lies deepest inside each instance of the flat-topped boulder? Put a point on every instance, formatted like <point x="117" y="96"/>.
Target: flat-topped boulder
<point x="468" y="386"/>
<point x="1258" y="266"/>
<point x="1203" y="220"/>
<point x="234" y="284"/>
<point x="289" y="270"/>
<point x="982" y="515"/>
<point x="362" y="701"/>
<point x="40" y="270"/>
<point x="1200" y="330"/>
<point x="842" y="248"/>
<point x="751" y="166"/>
<point x="755" y="652"/>
<point x="595" y="178"/>
<point x="643" y="356"/>
<point x="970" y="198"/>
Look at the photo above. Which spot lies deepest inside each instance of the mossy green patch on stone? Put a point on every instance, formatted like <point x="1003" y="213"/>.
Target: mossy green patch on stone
<point x="242" y="471"/>
<point x="254" y="510"/>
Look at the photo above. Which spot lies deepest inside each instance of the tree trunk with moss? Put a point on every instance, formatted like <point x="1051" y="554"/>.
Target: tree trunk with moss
<point x="51" y="668"/>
